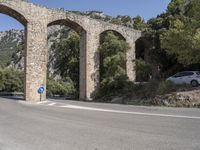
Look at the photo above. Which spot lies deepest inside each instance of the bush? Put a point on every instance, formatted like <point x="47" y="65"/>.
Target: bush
<point x="143" y="71"/>
<point x="61" y="87"/>
<point x="165" y="87"/>
<point x="112" y="87"/>
<point x="11" y="80"/>
<point x="143" y="91"/>
<point x="154" y="87"/>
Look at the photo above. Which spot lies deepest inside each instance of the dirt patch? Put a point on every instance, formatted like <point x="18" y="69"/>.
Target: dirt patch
<point x="179" y="99"/>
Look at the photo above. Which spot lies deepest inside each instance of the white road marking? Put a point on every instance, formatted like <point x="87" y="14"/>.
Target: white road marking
<point x="42" y="102"/>
<point x="128" y="112"/>
<point x="52" y="104"/>
<point x="62" y="105"/>
<point x="33" y="103"/>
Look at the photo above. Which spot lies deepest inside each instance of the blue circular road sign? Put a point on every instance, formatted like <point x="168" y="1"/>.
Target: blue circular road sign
<point x="41" y="90"/>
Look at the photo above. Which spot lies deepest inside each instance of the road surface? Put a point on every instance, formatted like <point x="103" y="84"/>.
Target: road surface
<point x="71" y="125"/>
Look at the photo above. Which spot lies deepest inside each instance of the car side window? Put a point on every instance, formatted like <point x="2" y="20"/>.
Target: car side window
<point x="183" y="74"/>
<point x="177" y="75"/>
<point x="188" y="73"/>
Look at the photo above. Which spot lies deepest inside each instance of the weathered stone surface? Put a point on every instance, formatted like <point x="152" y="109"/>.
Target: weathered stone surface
<point x="36" y="19"/>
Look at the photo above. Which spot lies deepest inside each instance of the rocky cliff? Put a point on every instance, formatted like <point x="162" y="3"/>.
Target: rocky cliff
<point x="12" y="46"/>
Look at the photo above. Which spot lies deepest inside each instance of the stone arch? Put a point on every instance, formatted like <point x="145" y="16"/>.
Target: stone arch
<point x="119" y="34"/>
<point x="66" y="22"/>
<point x="13" y="12"/>
<point x="130" y="54"/>
<point x="83" y="47"/>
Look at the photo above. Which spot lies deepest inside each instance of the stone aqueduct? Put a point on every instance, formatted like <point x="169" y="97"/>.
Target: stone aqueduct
<point x="36" y="19"/>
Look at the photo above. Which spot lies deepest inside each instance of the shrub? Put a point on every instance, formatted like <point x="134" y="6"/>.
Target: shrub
<point x="11" y="80"/>
<point x="165" y="87"/>
<point x="143" y="91"/>
<point x="113" y="86"/>
<point x="143" y="71"/>
<point x="155" y="87"/>
<point x="60" y="87"/>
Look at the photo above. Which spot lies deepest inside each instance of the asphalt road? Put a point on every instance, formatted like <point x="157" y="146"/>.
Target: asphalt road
<point x="70" y="125"/>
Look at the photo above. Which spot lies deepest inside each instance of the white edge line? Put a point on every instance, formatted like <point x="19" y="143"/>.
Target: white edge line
<point x="117" y="111"/>
<point x="128" y="112"/>
<point x="42" y="102"/>
<point x="52" y="104"/>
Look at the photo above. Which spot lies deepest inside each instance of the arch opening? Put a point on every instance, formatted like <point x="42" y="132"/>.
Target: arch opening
<point x="144" y="68"/>
<point x="66" y="42"/>
<point x="12" y="51"/>
<point x="113" y="69"/>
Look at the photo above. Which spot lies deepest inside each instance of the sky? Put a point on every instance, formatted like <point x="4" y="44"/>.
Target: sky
<point x="145" y="8"/>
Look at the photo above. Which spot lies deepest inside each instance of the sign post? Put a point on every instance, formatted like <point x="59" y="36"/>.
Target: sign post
<point x="41" y="91"/>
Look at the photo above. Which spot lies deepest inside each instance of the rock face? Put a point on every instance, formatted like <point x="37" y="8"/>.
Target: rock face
<point x="12" y="47"/>
<point x="9" y="41"/>
<point x="55" y="34"/>
<point x="11" y="36"/>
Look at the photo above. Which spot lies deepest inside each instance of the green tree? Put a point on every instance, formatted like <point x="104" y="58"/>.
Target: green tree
<point x="140" y="24"/>
<point x="11" y="80"/>
<point x="67" y="61"/>
<point x="192" y="10"/>
<point x="172" y="40"/>
<point x="176" y="6"/>
<point x="183" y="37"/>
<point x="112" y="62"/>
<point x="116" y="21"/>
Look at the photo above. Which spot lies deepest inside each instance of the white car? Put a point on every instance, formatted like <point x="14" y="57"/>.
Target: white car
<point x="186" y="77"/>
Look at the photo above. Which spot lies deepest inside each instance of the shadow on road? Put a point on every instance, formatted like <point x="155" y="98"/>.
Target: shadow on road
<point x="14" y="98"/>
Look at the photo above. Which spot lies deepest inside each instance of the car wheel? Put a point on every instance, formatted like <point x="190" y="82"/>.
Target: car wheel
<point x="194" y="83"/>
